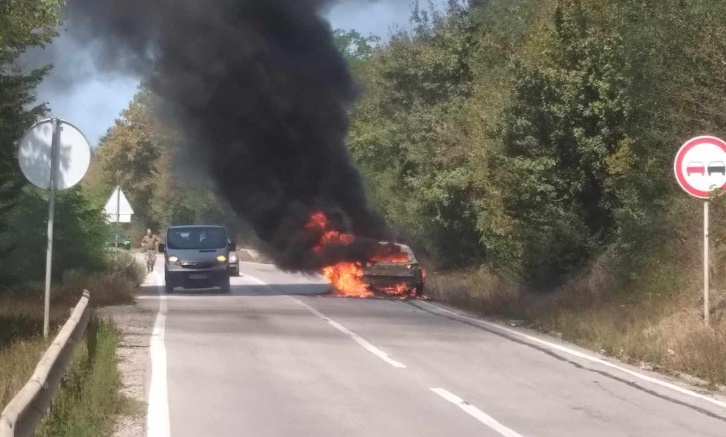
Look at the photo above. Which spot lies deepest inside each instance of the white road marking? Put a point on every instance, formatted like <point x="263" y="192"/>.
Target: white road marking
<point x="157" y="417"/>
<point x="259" y="281"/>
<point x="257" y="264"/>
<point x="584" y="356"/>
<point x="476" y="413"/>
<point x="361" y="341"/>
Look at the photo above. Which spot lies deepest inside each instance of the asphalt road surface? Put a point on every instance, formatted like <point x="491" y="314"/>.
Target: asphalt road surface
<point x="275" y="358"/>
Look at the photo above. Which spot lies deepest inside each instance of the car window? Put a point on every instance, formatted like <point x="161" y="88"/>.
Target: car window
<point x="196" y="238"/>
<point x="395" y="257"/>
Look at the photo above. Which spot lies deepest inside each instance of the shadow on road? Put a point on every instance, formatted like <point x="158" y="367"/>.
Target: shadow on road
<point x="246" y="290"/>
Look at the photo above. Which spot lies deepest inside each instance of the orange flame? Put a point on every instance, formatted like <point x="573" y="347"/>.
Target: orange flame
<point x="400" y="290"/>
<point x="318" y="221"/>
<point x="347" y="277"/>
<point x="347" y="280"/>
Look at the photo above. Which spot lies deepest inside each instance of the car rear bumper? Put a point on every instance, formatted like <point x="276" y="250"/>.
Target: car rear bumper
<point x="188" y="278"/>
<point x="379" y="282"/>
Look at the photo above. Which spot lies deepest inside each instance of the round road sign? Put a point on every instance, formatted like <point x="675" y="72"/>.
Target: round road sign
<point x="700" y="166"/>
<point x="34" y="154"/>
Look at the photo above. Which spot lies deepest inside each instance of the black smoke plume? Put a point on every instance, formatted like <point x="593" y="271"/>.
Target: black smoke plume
<point x="261" y="95"/>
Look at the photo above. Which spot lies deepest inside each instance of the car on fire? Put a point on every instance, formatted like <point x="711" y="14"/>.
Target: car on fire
<point x="401" y="274"/>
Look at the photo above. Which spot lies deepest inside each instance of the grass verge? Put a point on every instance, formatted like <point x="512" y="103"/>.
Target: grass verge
<point x="88" y="399"/>
<point x="658" y="330"/>
<point x="18" y="362"/>
<point x="21" y="316"/>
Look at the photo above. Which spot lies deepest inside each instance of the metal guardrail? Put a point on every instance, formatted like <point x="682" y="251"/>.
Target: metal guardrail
<point x="23" y="413"/>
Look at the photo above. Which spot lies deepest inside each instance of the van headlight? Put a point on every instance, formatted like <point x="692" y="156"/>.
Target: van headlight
<point x="221" y="258"/>
<point x="173" y="259"/>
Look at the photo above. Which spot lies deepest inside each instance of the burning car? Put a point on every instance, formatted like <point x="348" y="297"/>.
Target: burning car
<point x="400" y="274"/>
<point x="389" y="268"/>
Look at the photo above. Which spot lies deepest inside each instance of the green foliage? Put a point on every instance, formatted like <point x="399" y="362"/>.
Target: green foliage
<point x="88" y="399"/>
<point x="355" y="47"/>
<point x="405" y="139"/>
<point x="567" y="119"/>
<point x="129" y="153"/>
<point x="80" y="230"/>
<point x="80" y="237"/>
<point x="538" y="135"/>
<point x="27" y="23"/>
<point x="138" y="153"/>
<point x="23" y="24"/>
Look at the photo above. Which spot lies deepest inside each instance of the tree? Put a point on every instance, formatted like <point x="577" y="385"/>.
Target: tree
<point x="355" y="47"/>
<point x="142" y="155"/>
<point x="80" y="236"/>
<point x="405" y="136"/>
<point x="129" y="153"/>
<point x="23" y="24"/>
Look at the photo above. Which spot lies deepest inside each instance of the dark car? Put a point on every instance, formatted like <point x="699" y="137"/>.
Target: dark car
<point x="716" y="167"/>
<point x="197" y="257"/>
<point x="403" y="276"/>
<point x="122" y="241"/>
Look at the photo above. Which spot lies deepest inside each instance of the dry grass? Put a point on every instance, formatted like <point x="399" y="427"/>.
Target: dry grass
<point x="18" y="362"/>
<point x="21" y="317"/>
<point x="638" y="324"/>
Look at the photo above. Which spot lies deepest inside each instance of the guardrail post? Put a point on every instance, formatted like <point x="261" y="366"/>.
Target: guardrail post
<point x="91" y="338"/>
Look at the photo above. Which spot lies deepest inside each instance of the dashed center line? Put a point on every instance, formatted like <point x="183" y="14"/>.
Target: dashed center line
<point x="476" y="413"/>
<point x="361" y="341"/>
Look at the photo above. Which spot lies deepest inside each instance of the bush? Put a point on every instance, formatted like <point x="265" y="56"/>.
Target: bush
<point x="80" y="237"/>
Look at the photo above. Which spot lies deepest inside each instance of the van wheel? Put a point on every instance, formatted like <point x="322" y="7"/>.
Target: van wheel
<point x="226" y="288"/>
<point x="169" y="287"/>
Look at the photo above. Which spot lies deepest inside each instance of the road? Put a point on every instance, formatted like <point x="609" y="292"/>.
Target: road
<point x="275" y="358"/>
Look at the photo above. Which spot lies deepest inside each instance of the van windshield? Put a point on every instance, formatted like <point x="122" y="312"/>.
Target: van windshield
<point x="196" y="238"/>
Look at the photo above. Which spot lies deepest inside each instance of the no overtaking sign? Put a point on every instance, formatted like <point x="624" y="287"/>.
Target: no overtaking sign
<point x="700" y="169"/>
<point x="700" y="166"/>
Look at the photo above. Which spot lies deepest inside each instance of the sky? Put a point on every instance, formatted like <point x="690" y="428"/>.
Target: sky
<point x="91" y="100"/>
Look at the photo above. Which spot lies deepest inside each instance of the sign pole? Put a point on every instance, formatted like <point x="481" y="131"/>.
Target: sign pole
<point x="38" y="156"/>
<point x="118" y="219"/>
<point x="51" y="214"/>
<point x="700" y="170"/>
<point x="705" y="265"/>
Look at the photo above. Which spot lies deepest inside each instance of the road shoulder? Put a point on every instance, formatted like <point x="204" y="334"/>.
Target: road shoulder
<point x="136" y="325"/>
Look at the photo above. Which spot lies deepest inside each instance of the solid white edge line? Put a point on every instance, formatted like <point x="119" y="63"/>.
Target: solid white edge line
<point x="584" y="356"/>
<point x="157" y="417"/>
<point x="361" y="341"/>
<point x="476" y="413"/>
